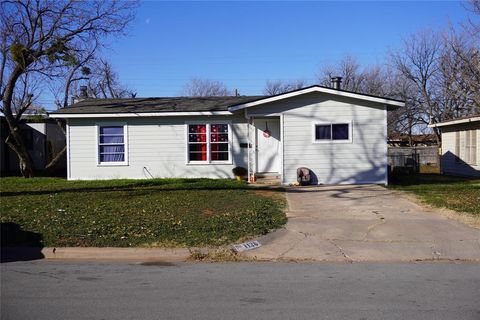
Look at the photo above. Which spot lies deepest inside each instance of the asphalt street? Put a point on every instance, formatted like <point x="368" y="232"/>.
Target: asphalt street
<point x="45" y="289"/>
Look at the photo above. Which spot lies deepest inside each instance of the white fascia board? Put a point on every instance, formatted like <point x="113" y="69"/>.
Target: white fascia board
<point x="28" y="115"/>
<point x="143" y="114"/>
<point x="449" y="123"/>
<point x="317" y="89"/>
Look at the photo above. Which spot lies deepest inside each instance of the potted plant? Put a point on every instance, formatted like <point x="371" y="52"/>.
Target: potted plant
<point x="239" y="173"/>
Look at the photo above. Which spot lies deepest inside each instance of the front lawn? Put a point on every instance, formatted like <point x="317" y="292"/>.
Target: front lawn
<point x="129" y="213"/>
<point x="459" y="194"/>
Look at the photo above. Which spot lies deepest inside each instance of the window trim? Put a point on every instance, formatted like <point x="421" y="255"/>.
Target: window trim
<point x="209" y="155"/>
<point x="457" y="146"/>
<point x="330" y="123"/>
<point x="125" y="142"/>
<point x="471" y="147"/>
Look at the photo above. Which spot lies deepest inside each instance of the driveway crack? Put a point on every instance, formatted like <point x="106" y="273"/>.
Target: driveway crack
<point x="293" y="245"/>
<point x="373" y="226"/>
<point x="349" y="260"/>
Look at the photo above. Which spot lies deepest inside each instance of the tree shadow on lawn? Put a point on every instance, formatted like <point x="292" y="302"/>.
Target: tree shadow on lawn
<point x="18" y="244"/>
<point x="153" y="185"/>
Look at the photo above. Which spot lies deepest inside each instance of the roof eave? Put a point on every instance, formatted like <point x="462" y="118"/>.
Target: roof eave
<point x="453" y="122"/>
<point x="389" y="102"/>
<point x="138" y="114"/>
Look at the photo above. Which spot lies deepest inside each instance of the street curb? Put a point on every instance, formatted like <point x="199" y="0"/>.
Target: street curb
<point x="111" y="253"/>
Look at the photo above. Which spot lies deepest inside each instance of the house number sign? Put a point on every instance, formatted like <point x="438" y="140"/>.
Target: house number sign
<point x="246" y="246"/>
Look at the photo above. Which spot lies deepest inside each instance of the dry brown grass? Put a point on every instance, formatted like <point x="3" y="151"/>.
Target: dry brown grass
<point x="224" y="254"/>
<point x="429" y="169"/>
<point x="275" y="195"/>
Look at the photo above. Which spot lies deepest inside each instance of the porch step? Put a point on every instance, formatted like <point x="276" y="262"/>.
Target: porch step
<point x="267" y="176"/>
<point x="268" y="179"/>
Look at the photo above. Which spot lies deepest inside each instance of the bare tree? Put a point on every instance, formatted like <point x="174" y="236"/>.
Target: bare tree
<point x="40" y="38"/>
<point x="473" y="26"/>
<point x="375" y="81"/>
<point x="279" y="86"/>
<point x="206" y="88"/>
<point x="105" y="82"/>
<point x="411" y="119"/>
<point x="460" y="77"/>
<point x="99" y="76"/>
<point x="347" y="68"/>
<point x="444" y="76"/>
<point x="65" y="85"/>
<point x="369" y="80"/>
<point x="460" y="71"/>
<point x="419" y="62"/>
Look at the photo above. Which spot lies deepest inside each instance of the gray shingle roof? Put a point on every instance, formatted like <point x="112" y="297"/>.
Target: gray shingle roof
<point x="138" y="105"/>
<point x="174" y="104"/>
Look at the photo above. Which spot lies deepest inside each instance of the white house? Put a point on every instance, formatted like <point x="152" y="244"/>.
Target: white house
<point x="340" y="136"/>
<point x="460" y="154"/>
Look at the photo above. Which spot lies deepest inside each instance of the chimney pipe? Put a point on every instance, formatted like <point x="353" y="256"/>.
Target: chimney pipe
<point x="336" y="83"/>
<point x="83" y="92"/>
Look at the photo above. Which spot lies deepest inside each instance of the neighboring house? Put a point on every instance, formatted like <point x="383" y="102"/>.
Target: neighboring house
<point x="340" y="136"/>
<point x="416" y="140"/>
<point x="460" y="151"/>
<point x="43" y="139"/>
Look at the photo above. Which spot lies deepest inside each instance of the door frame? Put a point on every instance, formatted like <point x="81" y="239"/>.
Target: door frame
<point x="279" y="118"/>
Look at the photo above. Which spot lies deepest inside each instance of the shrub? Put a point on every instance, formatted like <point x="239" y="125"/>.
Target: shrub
<point x="239" y="171"/>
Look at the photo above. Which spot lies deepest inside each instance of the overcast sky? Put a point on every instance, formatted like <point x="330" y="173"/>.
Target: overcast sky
<point x="244" y="44"/>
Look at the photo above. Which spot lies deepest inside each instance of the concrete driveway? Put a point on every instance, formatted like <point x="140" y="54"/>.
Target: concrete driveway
<point x="365" y="223"/>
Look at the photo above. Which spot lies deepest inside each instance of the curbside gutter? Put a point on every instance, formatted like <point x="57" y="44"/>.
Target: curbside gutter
<point x="112" y="253"/>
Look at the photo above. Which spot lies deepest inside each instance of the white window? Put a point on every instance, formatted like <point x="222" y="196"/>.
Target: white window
<point x="208" y="143"/>
<point x="111" y="143"/>
<point x="471" y="147"/>
<point x="457" y="146"/>
<point x="332" y="132"/>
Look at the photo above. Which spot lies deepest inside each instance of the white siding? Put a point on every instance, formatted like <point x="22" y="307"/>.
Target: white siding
<point x="452" y="162"/>
<point x="156" y="147"/>
<point x="361" y="161"/>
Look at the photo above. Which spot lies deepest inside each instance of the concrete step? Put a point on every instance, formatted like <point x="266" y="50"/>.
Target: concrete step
<point x="268" y="180"/>
<point x="267" y="176"/>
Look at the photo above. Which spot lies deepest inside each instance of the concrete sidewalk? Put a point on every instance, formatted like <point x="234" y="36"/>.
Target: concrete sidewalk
<point x="365" y="223"/>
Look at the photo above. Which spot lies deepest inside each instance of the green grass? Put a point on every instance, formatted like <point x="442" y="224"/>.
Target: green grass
<point x="130" y="213"/>
<point x="459" y="194"/>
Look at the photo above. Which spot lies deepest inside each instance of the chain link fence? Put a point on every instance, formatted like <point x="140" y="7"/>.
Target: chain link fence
<point x="410" y="159"/>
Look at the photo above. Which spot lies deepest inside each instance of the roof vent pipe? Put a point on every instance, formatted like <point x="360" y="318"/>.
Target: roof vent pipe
<point x="83" y="92"/>
<point x="336" y="83"/>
